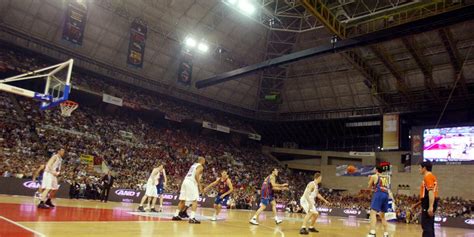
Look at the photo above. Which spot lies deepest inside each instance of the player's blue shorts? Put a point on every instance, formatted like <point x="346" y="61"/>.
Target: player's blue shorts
<point x="266" y="201"/>
<point x="379" y="202"/>
<point x="221" y="201"/>
<point x="160" y="189"/>
<point x="39" y="180"/>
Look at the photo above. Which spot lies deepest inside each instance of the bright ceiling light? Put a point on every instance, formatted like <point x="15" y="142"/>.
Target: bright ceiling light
<point x="190" y="42"/>
<point x="203" y="47"/>
<point x="246" y="7"/>
<point x="231" y="2"/>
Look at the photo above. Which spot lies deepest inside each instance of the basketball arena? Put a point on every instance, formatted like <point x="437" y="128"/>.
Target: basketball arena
<point x="337" y="118"/>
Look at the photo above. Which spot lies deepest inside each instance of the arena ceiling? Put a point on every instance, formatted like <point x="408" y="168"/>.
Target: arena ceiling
<point x="412" y="73"/>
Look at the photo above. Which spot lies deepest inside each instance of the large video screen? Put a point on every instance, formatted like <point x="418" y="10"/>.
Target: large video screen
<point x="448" y="144"/>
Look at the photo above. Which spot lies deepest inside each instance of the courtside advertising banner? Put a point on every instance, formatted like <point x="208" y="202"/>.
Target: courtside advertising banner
<point x="391" y="131"/>
<point x="27" y="187"/>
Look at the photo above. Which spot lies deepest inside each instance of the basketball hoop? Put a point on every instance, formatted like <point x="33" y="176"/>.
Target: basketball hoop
<point x="67" y="107"/>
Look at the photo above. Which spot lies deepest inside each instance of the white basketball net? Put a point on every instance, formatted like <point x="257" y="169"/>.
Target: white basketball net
<point x="67" y="107"/>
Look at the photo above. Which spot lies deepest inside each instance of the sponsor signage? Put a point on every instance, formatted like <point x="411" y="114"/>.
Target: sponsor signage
<point x="112" y="99"/>
<point x="26" y="187"/>
<point x="254" y="136"/>
<point x="352" y="212"/>
<point x="216" y="127"/>
<point x="360" y="153"/>
<point x="31" y="184"/>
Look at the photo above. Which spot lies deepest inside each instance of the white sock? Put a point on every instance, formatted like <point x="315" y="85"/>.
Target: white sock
<point x="372" y="232"/>
<point x="303" y="227"/>
<point x="385" y="233"/>
<point x="311" y="227"/>
<point x="176" y="213"/>
<point x="192" y="215"/>
<point x="254" y="217"/>
<point x="276" y="218"/>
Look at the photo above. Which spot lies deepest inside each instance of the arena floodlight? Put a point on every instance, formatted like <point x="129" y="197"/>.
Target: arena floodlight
<point x="202" y="47"/>
<point x="246" y="7"/>
<point x="190" y="42"/>
<point x="231" y="2"/>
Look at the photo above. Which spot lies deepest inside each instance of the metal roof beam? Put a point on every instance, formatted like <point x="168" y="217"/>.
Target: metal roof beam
<point x="454" y="56"/>
<point x="423" y="64"/>
<point x="414" y="27"/>
<point x="382" y="54"/>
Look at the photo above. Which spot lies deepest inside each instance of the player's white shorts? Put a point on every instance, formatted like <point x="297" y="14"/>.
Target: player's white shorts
<point x="189" y="191"/>
<point x="49" y="181"/>
<point x="151" y="190"/>
<point x="308" y="207"/>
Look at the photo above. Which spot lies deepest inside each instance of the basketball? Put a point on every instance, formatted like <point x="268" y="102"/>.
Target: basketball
<point x="351" y="169"/>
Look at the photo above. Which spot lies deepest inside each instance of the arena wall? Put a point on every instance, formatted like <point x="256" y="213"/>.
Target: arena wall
<point x="450" y="177"/>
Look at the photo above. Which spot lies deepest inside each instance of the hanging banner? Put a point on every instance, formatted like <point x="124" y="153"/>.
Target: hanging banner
<point x="75" y="21"/>
<point x="416" y="145"/>
<point x="112" y="100"/>
<point x="136" y="47"/>
<point x="185" y="69"/>
<point x="354" y="170"/>
<point x="391" y="130"/>
<point x="216" y="127"/>
<point x="254" y="136"/>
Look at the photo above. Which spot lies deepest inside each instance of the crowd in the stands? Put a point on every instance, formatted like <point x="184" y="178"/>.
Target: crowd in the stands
<point x="131" y="145"/>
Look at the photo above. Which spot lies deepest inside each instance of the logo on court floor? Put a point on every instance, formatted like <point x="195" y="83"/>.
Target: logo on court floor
<point x="469" y="221"/>
<point x="31" y="184"/>
<point x="351" y="212"/>
<point x="323" y="209"/>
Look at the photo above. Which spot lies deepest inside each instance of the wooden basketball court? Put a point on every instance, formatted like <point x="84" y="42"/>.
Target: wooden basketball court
<point x="19" y="217"/>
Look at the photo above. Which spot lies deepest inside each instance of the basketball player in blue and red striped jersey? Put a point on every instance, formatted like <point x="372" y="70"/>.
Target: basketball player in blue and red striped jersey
<point x="269" y="185"/>
<point x="380" y="186"/>
<point x="38" y="178"/>
<point x="225" y="188"/>
<point x="161" y="186"/>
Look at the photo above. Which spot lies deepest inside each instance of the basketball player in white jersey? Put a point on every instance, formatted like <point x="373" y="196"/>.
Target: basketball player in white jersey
<point x="224" y="189"/>
<point x="50" y="179"/>
<point x="151" y="192"/>
<point x="190" y="189"/>
<point x="307" y="201"/>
